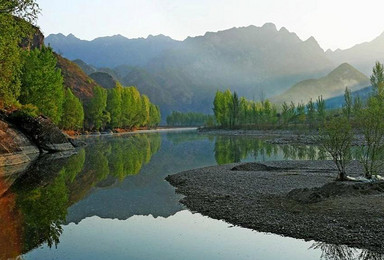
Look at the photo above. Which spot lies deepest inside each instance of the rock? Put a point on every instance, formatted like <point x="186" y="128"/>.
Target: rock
<point x="15" y="147"/>
<point x="42" y="132"/>
<point x="23" y="137"/>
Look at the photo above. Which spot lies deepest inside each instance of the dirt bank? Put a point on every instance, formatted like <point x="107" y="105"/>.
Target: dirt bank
<point x="293" y="198"/>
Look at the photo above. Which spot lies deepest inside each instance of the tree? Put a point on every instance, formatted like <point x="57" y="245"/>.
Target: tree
<point x="311" y="112"/>
<point x="114" y="105"/>
<point x="73" y="113"/>
<point x="42" y="83"/>
<point x="25" y="9"/>
<point x="12" y="31"/>
<point x="348" y="106"/>
<point x="377" y="79"/>
<point x="321" y="113"/>
<point x="336" y="138"/>
<point x="96" y="116"/>
<point x="234" y="110"/>
<point x="371" y="122"/>
<point x="145" y="109"/>
<point x="154" y="116"/>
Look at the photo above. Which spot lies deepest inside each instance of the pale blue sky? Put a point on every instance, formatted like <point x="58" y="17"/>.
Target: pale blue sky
<point x="334" y="23"/>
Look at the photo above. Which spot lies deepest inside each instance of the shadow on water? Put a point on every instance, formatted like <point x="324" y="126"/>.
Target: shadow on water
<point x="120" y="177"/>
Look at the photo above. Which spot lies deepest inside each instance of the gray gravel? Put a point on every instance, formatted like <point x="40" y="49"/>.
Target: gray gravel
<point x="255" y="196"/>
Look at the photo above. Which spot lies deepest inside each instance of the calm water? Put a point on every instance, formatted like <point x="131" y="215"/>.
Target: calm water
<point x="110" y="201"/>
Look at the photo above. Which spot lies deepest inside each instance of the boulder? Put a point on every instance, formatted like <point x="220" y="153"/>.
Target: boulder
<point x="23" y="138"/>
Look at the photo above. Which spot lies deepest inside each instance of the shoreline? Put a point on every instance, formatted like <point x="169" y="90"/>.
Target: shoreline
<point x="298" y="199"/>
<point x="130" y="132"/>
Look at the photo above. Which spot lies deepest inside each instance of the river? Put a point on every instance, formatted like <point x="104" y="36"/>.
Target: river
<point x="110" y="201"/>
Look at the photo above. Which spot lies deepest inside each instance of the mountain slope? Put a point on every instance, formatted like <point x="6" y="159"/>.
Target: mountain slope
<point x="74" y="78"/>
<point x="332" y="85"/>
<point x="362" y="56"/>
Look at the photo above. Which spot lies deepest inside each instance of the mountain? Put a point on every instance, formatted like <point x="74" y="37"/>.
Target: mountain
<point x="88" y="69"/>
<point x="185" y="75"/>
<point x="75" y="79"/>
<point x="103" y="79"/>
<point x="332" y="85"/>
<point x="110" y="51"/>
<point x="362" y="56"/>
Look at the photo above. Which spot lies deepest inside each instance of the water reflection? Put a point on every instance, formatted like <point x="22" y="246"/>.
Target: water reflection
<point x="233" y="149"/>
<point x="118" y="178"/>
<point x="34" y="208"/>
<point x="343" y="252"/>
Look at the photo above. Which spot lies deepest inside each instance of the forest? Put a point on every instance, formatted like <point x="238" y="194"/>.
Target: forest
<point x="31" y="82"/>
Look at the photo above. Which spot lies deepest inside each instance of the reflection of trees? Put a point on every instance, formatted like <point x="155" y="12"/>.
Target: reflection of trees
<point x="35" y="207"/>
<point x="342" y="252"/>
<point x="231" y="149"/>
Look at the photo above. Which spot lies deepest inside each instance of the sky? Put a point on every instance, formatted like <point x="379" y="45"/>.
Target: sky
<point x="333" y="23"/>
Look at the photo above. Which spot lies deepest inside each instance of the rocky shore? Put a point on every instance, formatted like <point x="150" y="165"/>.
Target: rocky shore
<point x="23" y="138"/>
<point x="293" y="198"/>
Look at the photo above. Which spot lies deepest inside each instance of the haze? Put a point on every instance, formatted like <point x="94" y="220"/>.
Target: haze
<point x="335" y="24"/>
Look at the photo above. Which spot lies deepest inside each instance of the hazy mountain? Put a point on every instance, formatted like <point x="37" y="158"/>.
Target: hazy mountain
<point x="362" y="56"/>
<point x="332" y="85"/>
<point x="88" y="69"/>
<point x="185" y="75"/>
<point x="103" y="79"/>
<point x="110" y="51"/>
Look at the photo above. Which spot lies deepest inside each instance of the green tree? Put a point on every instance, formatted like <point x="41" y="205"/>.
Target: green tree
<point x="73" y="112"/>
<point x="154" y="116"/>
<point x="336" y="138"/>
<point x="145" y="110"/>
<point x="114" y="105"/>
<point x="25" y="9"/>
<point x="96" y="115"/>
<point x="311" y="113"/>
<point x="377" y="79"/>
<point x="42" y="83"/>
<point x="348" y="106"/>
<point x="320" y="107"/>
<point x="371" y="122"/>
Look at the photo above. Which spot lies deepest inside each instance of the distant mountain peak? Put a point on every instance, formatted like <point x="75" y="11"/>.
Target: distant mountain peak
<point x="269" y="27"/>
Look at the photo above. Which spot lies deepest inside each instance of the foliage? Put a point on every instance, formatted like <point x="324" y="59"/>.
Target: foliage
<point x="188" y="119"/>
<point x="42" y="83"/>
<point x="25" y="9"/>
<point x="348" y="106"/>
<point x="114" y="106"/>
<point x="73" y="112"/>
<point x="336" y="138"/>
<point x="97" y="116"/>
<point x="371" y="124"/>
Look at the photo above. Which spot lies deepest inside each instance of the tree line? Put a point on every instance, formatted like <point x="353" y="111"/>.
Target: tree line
<point x="233" y="112"/>
<point x="189" y="119"/>
<point x="31" y="82"/>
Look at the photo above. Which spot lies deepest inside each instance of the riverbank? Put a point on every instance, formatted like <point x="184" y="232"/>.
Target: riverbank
<point x="130" y="132"/>
<point x="293" y="198"/>
<point x="292" y="136"/>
